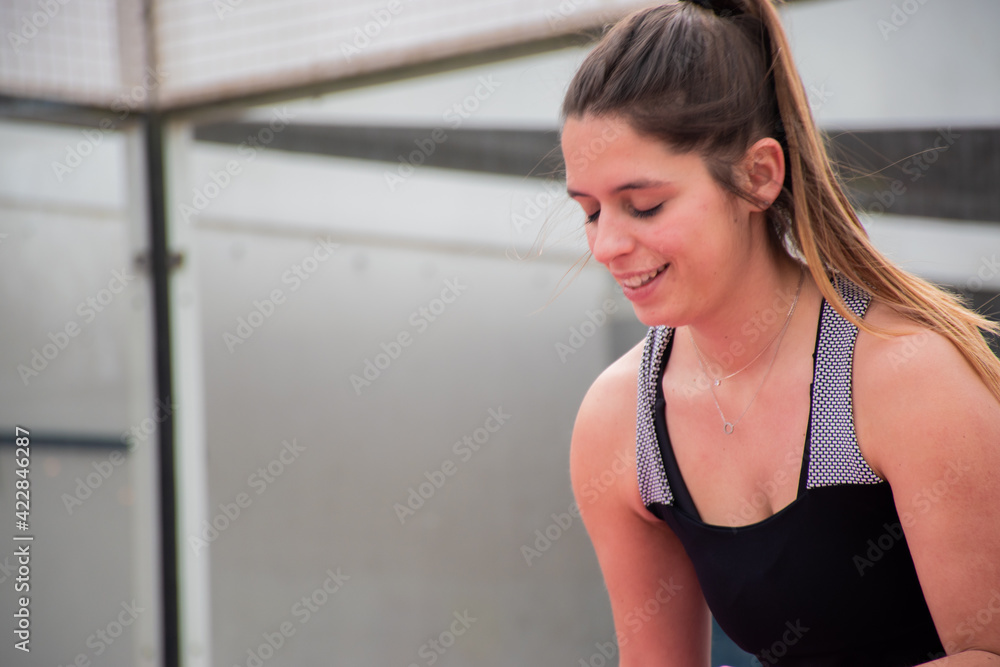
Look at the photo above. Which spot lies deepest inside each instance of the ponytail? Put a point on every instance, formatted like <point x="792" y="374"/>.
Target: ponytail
<point x="830" y="237"/>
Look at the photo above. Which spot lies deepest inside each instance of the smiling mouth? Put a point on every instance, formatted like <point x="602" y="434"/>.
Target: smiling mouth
<point x="644" y="278"/>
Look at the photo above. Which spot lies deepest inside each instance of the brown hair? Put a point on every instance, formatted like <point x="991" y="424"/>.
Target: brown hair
<point x="715" y="82"/>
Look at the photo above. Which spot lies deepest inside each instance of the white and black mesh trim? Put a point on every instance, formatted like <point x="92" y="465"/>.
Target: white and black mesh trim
<point x="653" y="486"/>
<point x="834" y="456"/>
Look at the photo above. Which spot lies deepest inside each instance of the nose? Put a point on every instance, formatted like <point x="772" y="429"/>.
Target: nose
<point x="609" y="238"/>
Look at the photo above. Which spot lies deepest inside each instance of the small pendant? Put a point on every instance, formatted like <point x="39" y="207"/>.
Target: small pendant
<point x="728" y="427"/>
<point x="718" y="382"/>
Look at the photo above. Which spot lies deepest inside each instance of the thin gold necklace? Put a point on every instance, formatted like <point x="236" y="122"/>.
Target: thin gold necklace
<point x="729" y="426"/>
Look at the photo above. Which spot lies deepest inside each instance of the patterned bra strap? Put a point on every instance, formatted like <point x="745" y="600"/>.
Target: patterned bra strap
<point x="653" y="486"/>
<point x="834" y="455"/>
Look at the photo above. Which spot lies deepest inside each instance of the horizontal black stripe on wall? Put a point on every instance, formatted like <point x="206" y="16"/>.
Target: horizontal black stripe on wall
<point x="944" y="172"/>
<point x="57" y="439"/>
<point x="532" y="153"/>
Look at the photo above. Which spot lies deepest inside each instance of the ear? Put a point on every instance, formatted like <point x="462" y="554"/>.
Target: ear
<point x="764" y="170"/>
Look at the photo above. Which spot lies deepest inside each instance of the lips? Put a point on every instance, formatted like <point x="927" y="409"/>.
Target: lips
<point x="638" y="280"/>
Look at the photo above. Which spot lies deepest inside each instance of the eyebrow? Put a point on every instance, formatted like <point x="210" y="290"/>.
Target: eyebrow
<point x="631" y="185"/>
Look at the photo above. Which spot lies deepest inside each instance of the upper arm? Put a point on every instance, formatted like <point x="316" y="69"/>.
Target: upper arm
<point x="931" y="428"/>
<point x="659" y="612"/>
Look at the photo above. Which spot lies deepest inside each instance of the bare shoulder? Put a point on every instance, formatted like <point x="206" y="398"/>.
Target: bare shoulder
<point x="896" y="361"/>
<point x="604" y="433"/>
<point x="911" y="388"/>
<point x="612" y="397"/>
<point x="919" y="364"/>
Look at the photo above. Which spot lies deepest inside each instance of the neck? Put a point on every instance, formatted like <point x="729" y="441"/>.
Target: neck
<point x="747" y="317"/>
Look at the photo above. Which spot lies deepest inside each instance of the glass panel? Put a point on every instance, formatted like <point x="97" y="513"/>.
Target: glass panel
<point x="70" y="301"/>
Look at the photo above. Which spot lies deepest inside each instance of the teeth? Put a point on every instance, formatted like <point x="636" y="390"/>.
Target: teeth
<point x="640" y="280"/>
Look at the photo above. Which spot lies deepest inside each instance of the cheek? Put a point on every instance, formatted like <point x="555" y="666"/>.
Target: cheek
<point x="670" y="241"/>
<point x="707" y="230"/>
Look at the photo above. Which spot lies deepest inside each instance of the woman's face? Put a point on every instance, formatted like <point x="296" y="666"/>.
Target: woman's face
<point x="668" y="233"/>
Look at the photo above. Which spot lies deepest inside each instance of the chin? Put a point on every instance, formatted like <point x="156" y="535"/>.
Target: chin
<point x="657" y="317"/>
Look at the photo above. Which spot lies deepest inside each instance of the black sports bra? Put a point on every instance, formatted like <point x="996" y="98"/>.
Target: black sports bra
<point x="828" y="581"/>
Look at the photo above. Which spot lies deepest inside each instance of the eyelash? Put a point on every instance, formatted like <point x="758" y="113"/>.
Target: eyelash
<point x="648" y="213"/>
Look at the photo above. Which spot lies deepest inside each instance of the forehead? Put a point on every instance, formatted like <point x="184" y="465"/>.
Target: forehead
<point x="597" y="135"/>
<point x="600" y="150"/>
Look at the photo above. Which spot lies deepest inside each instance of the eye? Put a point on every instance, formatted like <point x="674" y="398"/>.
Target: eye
<point x="593" y="216"/>
<point x="648" y="213"/>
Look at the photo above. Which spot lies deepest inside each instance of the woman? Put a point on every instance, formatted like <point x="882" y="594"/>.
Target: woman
<point x="816" y="432"/>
